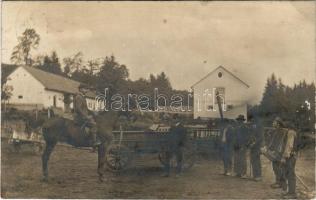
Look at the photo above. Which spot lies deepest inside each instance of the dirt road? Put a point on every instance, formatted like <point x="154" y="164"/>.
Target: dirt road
<point x="73" y="175"/>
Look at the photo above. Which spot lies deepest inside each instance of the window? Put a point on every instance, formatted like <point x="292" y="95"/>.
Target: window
<point x="20" y="97"/>
<point x="210" y="107"/>
<point x="220" y="74"/>
<point x="54" y="101"/>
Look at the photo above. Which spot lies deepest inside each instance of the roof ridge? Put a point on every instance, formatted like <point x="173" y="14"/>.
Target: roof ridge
<point x="48" y="73"/>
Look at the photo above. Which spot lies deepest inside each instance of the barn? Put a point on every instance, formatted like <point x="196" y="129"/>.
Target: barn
<point x="233" y="93"/>
<point x="35" y="88"/>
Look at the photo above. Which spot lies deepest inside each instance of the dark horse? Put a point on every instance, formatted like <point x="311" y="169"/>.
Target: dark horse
<point x="59" y="129"/>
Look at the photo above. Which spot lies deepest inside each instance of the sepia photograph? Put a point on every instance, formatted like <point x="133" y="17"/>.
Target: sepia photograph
<point x="158" y="99"/>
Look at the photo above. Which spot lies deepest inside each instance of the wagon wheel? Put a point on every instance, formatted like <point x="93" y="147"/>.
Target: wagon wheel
<point x="38" y="147"/>
<point x="117" y="157"/>
<point x="189" y="157"/>
<point x="16" y="146"/>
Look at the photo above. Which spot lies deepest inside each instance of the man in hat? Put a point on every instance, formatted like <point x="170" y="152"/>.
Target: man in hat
<point x="240" y="147"/>
<point x="82" y="115"/>
<point x="256" y="132"/>
<point x="226" y="141"/>
<point x="285" y="168"/>
<point x="176" y="140"/>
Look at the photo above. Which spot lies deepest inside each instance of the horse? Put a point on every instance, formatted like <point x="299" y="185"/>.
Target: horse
<point x="59" y="129"/>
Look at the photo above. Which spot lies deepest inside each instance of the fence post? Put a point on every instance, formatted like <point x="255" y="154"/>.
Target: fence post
<point x="36" y="113"/>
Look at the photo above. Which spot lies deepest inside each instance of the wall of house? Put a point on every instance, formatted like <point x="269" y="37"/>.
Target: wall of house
<point x="29" y="93"/>
<point x="48" y="99"/>
<point x="236" y="96"/>
<point x="26" y="89"/>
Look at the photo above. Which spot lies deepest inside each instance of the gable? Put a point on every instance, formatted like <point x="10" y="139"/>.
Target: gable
<point x="22" y="76"/>
<point x="221" y="73"/>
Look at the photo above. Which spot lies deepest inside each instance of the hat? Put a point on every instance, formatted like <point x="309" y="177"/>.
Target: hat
<point x="279" y="120"/>
<point x="240" y="118"/>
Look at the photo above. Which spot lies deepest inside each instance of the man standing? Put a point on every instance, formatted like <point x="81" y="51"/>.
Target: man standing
<point x="226" y="140"/>
<point x="286" y="166"/>
<point x="176" y="140"/>
<point x="240" y="147"/>
<point x="256" y="129"/>
<point x="82" y="116"/>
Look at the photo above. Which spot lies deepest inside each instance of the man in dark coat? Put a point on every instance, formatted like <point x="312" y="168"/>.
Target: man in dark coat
<point x="256" y="132"/>
<point x="82" y="114"/>
<point x="175" y="145"/>
<point x="226" y="141"/>
<point x="240" y="147"/>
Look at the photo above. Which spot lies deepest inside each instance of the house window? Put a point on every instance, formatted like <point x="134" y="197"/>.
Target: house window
<point x="54" y="101"/>
<point x="210" y="107"/>
<point x="220" y="74"/>
<point x="20" y="97"/>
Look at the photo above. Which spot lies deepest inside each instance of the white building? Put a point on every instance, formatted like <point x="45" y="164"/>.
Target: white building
<point x="233" y="93"/>
<point x="34" y="88"/>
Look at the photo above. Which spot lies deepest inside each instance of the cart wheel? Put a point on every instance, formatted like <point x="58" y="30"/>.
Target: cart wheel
<point x="117" y="157"/>
<point x="16" y="146"/>
<point x="189" y="157"/>
<point x="38" y="148"/>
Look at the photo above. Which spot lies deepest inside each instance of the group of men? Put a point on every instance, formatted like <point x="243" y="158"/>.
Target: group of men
<point x="238" y="139"/>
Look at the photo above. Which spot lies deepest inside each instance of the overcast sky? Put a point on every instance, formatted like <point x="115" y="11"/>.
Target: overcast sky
<point x="185" y="39"/>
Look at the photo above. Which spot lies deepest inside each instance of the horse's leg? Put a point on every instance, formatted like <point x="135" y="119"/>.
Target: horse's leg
<point x="45" y="157"/>
<point x="101" y="161"/>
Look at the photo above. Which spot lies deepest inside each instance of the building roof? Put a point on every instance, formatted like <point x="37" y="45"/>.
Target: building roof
<point x="6" y="70"/>
<point x="224" y="69"/>
<point x="56" y="82"/>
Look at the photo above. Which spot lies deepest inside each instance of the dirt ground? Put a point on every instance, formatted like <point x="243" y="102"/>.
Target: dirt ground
<point x="73" y="175"/>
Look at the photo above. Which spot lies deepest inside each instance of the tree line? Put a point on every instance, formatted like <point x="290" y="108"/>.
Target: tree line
<point x="296" y="105"/>
<point x="99" y="73"/>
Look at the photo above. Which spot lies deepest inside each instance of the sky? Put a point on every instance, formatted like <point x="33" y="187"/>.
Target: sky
<point x="186" y="40"/>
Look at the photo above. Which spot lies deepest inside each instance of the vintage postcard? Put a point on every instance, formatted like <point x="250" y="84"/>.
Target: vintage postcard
<point x="158" y="100"/>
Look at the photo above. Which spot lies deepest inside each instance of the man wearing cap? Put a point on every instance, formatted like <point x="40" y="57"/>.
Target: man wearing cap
<point x="240" y="147"/>
<point x="176" y="140"/>
<point x="285" y="168"/>
<point x="82" y="116"/>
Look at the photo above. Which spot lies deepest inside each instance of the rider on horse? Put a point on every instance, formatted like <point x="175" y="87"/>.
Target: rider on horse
<point x="82" y="115"/>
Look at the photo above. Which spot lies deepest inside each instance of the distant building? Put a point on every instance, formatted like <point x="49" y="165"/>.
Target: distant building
<point x="34" y="88"/>
<point x="233" y="94"/>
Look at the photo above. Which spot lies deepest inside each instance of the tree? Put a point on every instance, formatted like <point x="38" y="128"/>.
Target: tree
<point x="268" y="105"/>
<point x="22" y="52"/>
<point x="50" y="64"/>
<point x="112" y="75"/>
<point x="93" y="66"/>
<point x="294" y="105"/>
<point x="73" y="63"/>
